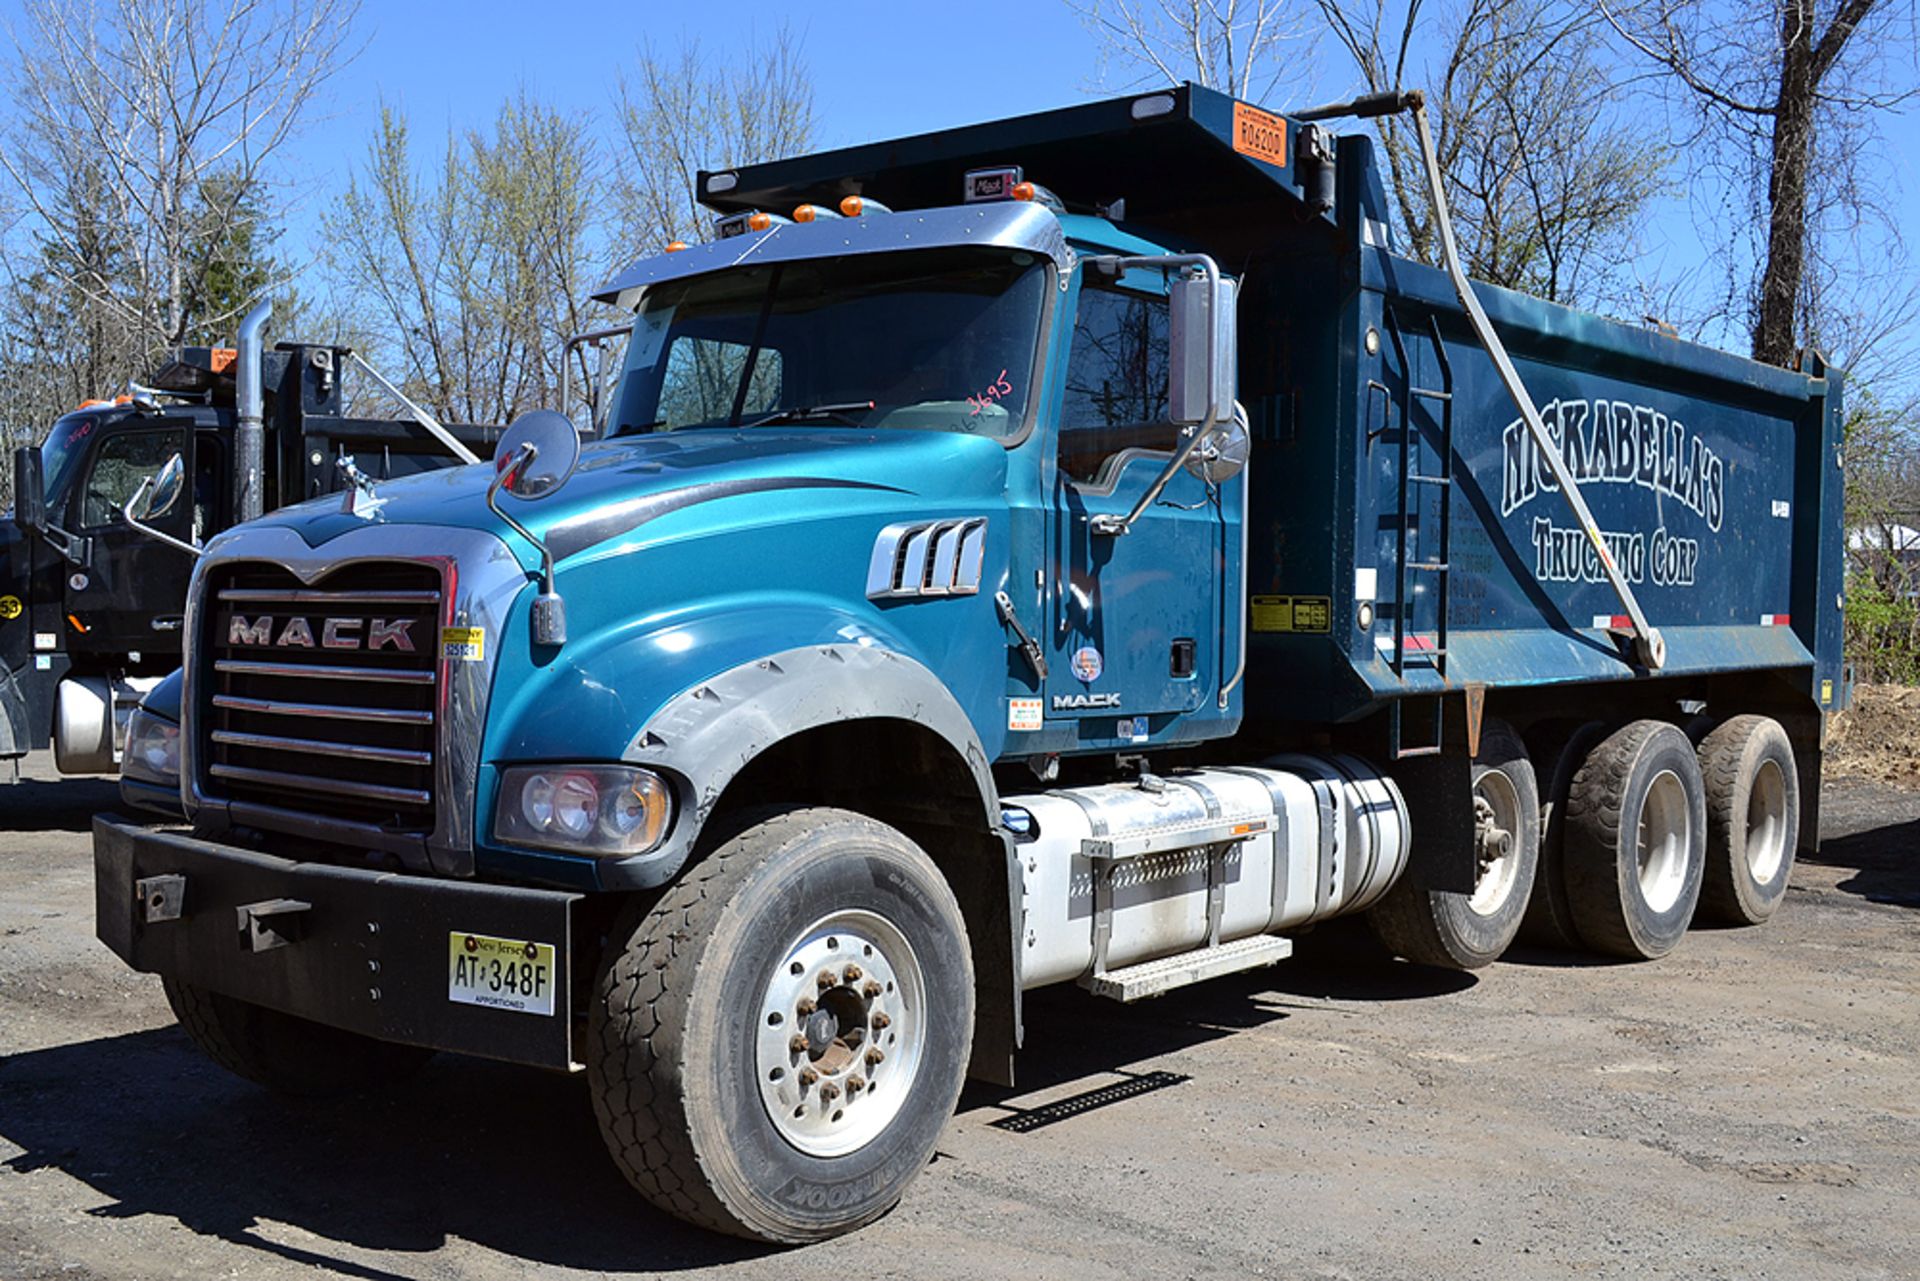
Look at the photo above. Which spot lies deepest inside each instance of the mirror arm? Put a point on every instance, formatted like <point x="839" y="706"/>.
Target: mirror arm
<point x="1113" y="264"/>
<point x="126" y="514"/>
<point x="549" y="609"/>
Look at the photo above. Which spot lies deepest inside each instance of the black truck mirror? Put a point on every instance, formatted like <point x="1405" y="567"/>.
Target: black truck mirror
<point x="155" y="498"/>
<point x="29" y="489"/>
<point x="161" y="493"/>
<point x="1202" y="357"/>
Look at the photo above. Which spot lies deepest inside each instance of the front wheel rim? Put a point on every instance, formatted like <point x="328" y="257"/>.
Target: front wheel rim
<point x="1665" y="831"/>
<point x="842" y="1032"/>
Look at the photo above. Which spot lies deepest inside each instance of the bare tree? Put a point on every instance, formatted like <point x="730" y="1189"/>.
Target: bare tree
<point x="1792" y="88"/>
<point x="125" y="122"/>
<point x="1545" y="184"/>
<point x="1234" y="46"/>
<point x="684" y="112"/>
<point x="474" y="277"/>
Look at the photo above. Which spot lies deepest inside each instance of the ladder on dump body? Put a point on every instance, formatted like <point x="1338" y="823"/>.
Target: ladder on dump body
<point x="1438" y="567"/>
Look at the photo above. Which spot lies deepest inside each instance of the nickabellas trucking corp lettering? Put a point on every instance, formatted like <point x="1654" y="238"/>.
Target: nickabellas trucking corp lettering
<point x="1612" y="442"/>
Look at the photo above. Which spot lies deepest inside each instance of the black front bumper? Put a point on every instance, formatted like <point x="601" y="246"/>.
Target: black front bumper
<point x="353" y="948"/>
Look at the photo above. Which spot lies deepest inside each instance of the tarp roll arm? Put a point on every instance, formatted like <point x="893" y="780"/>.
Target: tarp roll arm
<point x="1649" y="646"/>
<point x="421" y="416"/>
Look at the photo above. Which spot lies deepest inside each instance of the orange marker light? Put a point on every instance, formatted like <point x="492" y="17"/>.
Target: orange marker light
<point x="676" y="246"/>
<point x="1022" y="191"/>
<point x="758" y="221"/>
<point x="123" y="399"/>
<point x="805" y="213"/>
<point x="852" y="206"/>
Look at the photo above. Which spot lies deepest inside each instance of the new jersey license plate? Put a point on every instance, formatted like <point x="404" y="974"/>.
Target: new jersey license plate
<point x="501" y="974"/>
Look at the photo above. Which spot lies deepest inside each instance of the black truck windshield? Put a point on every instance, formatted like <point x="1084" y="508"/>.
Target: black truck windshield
<point x="939" y="340"/>
<point x="60" y="456"/>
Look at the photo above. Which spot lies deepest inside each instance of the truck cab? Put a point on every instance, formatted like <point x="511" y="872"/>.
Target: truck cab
<point x="91" y="609"/>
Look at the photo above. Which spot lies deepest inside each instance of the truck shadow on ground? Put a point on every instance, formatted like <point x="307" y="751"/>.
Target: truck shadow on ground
<point x="1886" y="863"/>
<point x="35" y="805"/>
<point x="506" y="1158"/>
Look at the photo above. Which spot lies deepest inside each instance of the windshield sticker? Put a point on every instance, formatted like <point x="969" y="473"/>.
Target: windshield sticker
<point x="996" y="390"/>
<point x="649" y="336"/>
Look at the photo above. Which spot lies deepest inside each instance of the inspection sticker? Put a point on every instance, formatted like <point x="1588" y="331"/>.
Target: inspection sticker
<point x="463" y="644"/>
<point x="501" y="974"/>
<point x="1025" y="713"/>
<point x="1293" y="614"/>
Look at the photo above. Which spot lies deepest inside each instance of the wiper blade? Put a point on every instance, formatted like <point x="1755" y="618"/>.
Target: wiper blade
<point x="811" y="413"/>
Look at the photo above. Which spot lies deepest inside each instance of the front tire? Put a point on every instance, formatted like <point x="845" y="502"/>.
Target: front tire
<point x="777" y="1044"/>
<point x="287" y="1054"/>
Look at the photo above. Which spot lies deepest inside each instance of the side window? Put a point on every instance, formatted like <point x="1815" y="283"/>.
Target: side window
<point x="702" y="376"/>
<point x="119" y="465"/>
<point x="1116" y="396"/>
<point x="209" y="488"/>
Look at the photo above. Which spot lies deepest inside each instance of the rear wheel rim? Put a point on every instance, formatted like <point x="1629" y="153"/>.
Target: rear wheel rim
<point x="1767" y="822"/>
<point x="842" y="1032"/>
<point x="1665" y="832"/>
<point x="1497" y="838"/>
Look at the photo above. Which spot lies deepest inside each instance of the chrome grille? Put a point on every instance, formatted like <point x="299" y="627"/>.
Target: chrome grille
<point x="323" y="699"/>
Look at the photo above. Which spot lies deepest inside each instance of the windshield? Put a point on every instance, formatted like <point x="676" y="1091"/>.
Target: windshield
<point x="61" y="454"/>
<point x="940" y="340"/>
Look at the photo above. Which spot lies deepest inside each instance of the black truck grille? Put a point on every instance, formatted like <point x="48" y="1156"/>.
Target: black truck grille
<point x="323" y="699"/>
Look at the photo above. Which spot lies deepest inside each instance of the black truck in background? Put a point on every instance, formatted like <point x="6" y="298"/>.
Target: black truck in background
<point x="91" y="606"/>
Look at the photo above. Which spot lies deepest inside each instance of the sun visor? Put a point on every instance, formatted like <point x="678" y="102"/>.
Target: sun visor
<point x="1009" y="225"/>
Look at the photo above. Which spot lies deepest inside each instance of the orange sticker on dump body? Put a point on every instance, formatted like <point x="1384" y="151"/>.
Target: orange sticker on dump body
<point x="1259" y="134"/>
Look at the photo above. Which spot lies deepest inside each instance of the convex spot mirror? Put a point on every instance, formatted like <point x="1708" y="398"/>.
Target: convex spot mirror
<point x="1222" y="455"/>
<point x="1202" y="357"/>
<point x="160" y="494"/>
<point x="536" y="454"/>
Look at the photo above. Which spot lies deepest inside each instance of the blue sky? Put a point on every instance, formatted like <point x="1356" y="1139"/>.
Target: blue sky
<point x="879" y="70"/>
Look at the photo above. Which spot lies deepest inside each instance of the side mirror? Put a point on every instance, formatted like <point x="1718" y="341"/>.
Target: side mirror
<point x="536" y="454"/>
<point x="29" y="489"/>
<point x="1201" y="362"/>
<point x="156" y="498"/>
<point x="1222" y="454"/>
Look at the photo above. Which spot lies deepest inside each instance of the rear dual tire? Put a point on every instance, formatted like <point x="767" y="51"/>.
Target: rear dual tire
<point x="1465" y="931"/>
<point x="1753" y="819"/>
<point x="1636" y="841"/>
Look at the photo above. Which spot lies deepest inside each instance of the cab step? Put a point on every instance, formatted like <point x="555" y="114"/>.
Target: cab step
<point x="1151" y="978"/>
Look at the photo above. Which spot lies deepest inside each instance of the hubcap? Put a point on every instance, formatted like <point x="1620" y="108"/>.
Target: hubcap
<point x="1767" y="822"/>
<point x="1496" y="827"/>
<point x="843" y="1024"/>
<point x="1665" y="826"/>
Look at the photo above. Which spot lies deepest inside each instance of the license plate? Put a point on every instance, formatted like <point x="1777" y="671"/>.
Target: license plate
<point x="501" y="974"/>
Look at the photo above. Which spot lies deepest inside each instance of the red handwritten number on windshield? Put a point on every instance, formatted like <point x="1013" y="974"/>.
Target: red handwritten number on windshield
<point x="995" y="390"/>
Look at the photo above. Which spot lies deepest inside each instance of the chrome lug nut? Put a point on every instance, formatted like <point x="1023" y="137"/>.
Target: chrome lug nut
<point x="851" y="974"/>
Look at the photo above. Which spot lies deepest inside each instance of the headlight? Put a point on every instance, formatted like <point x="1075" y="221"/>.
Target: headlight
<point x="608" y="810"/>
<point x="153" y="749"/>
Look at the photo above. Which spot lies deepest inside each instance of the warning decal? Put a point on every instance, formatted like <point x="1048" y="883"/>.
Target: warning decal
<point x="1293" y="614"/>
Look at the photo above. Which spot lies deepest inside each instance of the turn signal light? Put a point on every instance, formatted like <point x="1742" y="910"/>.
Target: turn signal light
<point x="675" y="246"/>
<point x="759" y="221"/>
<point x="854" y="206"/>
<point x="812" y="213"/>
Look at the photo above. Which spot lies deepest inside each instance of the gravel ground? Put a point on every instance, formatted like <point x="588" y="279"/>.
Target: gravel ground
<point x="1749" y="1107"/>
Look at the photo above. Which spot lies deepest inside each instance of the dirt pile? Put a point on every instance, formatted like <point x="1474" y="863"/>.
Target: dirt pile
<point x="1878" y="737"/>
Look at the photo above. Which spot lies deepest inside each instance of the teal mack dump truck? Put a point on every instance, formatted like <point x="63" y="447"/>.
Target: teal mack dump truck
<point x="1076" y="548"/>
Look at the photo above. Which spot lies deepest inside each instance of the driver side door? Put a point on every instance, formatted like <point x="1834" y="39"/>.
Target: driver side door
<point x="1135" y="624"/>
<point x="131" y="596"/>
